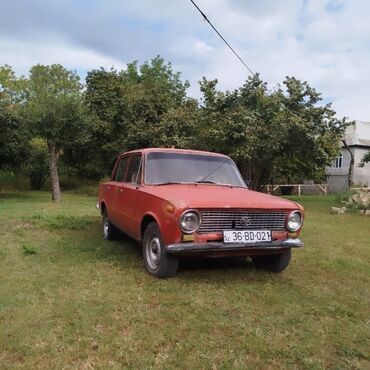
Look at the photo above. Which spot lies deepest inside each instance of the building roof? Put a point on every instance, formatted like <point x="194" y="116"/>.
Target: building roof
<point x="358" y="133"/>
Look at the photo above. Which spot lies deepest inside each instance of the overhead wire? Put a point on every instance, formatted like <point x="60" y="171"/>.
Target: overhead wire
<point x="223" y="39"/>
<point x="283" y="105"/>
<point x="238" y="56"/>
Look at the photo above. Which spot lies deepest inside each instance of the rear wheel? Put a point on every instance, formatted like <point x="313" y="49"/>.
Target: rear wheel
<point x="273" y="262"/>
<point x="110" y="232"/>
<point x="157" y="261"/>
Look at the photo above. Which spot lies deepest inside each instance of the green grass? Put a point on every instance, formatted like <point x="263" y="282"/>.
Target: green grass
<point x="69" y="299"/>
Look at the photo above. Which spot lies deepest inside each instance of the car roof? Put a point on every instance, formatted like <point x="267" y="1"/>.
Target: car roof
<point x="173" y="150"/>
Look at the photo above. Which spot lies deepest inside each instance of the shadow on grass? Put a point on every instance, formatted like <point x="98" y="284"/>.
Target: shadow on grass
<point x="124" y="249"/>
<point x="214" y="264"/>
<point x="128" y="254"/>
<point x="82" y="240"/>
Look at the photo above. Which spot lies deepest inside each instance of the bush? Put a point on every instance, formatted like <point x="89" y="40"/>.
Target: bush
<point x="354" y="201"/>
<point x="28" y="249"/>
<point x="344" y="196"/>
<point x="10" y="180"/>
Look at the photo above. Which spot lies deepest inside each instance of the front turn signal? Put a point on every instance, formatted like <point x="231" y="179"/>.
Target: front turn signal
<point x="169" y="207"/>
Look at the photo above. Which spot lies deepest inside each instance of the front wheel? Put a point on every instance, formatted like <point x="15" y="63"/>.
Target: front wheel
<point x="273" y="262"/>
<point x="157" y="261"/>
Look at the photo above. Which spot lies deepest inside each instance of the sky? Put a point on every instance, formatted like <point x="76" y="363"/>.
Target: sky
<point x="323" y="42"/>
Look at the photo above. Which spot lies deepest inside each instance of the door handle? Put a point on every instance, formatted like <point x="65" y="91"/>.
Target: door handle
<point x="120" y="190"/>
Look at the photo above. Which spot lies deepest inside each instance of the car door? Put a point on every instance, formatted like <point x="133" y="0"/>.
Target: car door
<point x="115" y="186"/>
<point x="127" y="196"/>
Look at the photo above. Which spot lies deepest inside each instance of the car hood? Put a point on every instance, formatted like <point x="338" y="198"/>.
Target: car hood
<point x="217" y="196"/>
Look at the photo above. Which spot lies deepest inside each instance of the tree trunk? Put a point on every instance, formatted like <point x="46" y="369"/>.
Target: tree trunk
<point x="54" y="179"/>
<point x="351" y="164"/>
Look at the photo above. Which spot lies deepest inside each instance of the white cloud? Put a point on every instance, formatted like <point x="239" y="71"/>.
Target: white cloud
<point x="325" y="42"/>
<point x="23" y="55"/>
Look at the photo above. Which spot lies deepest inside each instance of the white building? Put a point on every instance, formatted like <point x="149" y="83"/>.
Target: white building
<point x="357" y="138"/>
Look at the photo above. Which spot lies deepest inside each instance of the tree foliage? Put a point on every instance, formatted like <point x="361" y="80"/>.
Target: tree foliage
<point x="365" y="159"/>
<point x="53" y="107"/>
<point x="273" y="135"/>
<point x="282" y="135"/>
<point x="140" y="106"/>
<point x="14" y="136"/>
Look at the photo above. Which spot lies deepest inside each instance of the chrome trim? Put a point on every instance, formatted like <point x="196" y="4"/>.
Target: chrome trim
<point x="200" y="221"/>
<point x="300" y="225"/>
<point x="190" y="248"/>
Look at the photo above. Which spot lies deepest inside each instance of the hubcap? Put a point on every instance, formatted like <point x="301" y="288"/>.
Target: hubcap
<point x="105" y="226"/>
<point x="153" y="252"/>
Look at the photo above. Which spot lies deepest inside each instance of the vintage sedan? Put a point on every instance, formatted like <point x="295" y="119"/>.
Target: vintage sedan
<point x="185" y="202"/>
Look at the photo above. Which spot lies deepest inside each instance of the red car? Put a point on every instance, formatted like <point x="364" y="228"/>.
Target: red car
<point x="186" y="202"/>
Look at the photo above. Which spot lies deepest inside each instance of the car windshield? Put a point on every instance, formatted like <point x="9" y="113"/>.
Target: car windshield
<point x="173" y="168"/>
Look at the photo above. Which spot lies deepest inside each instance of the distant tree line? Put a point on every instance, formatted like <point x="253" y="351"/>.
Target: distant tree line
<point x="50" y="118"/>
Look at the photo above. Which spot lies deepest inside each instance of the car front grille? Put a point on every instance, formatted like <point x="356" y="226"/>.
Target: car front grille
<point x="241" y="219"/>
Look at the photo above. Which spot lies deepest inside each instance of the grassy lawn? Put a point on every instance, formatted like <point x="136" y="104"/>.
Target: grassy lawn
<point x="70" y="300"/>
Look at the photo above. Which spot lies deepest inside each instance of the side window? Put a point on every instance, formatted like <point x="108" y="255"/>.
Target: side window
<point x="133" y="169"/>
<point x="121" y="169"/>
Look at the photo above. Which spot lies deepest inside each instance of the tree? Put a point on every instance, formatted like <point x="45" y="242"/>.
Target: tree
<point x="178" y="126"/>
<point x="242" y="124"/>
<point x="14" y="136"/>
<point x="14" y="145"/>
<point x="313" y="132"/>
<point x="137" y="107"/>
<point x="272" y="135"/>
<point x="365" y="159"/>
<point x="54" y="112"/>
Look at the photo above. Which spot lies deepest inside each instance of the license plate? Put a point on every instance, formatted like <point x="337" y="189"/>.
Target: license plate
<point x="247" y="236"/>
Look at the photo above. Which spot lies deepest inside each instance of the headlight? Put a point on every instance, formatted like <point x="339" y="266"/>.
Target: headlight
<point x="189" y="222"/>
<point x="294" y="221"/>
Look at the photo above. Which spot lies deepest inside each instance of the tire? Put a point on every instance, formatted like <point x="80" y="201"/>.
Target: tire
<point x="157" y="261"/>
<point x="110" y="232"/>
<point x="272" y="262"/>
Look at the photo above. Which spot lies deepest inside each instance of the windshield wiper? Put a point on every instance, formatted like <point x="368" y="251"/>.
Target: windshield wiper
<point x="213" y="171"/>
<point x="185" y="183"/>
<point x="172" y="183"/>
<point x="206" y="182"/>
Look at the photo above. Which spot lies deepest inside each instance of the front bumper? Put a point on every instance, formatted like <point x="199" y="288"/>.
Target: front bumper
<point x="214" y="247"/>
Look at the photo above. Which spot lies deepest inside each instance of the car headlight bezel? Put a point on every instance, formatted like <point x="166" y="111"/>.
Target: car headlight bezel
<point x="182" y="221"/>
<point x="294" y="225"/>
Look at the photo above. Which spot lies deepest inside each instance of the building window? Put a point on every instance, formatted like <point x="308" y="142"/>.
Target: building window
<point x="338" y="162"/>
